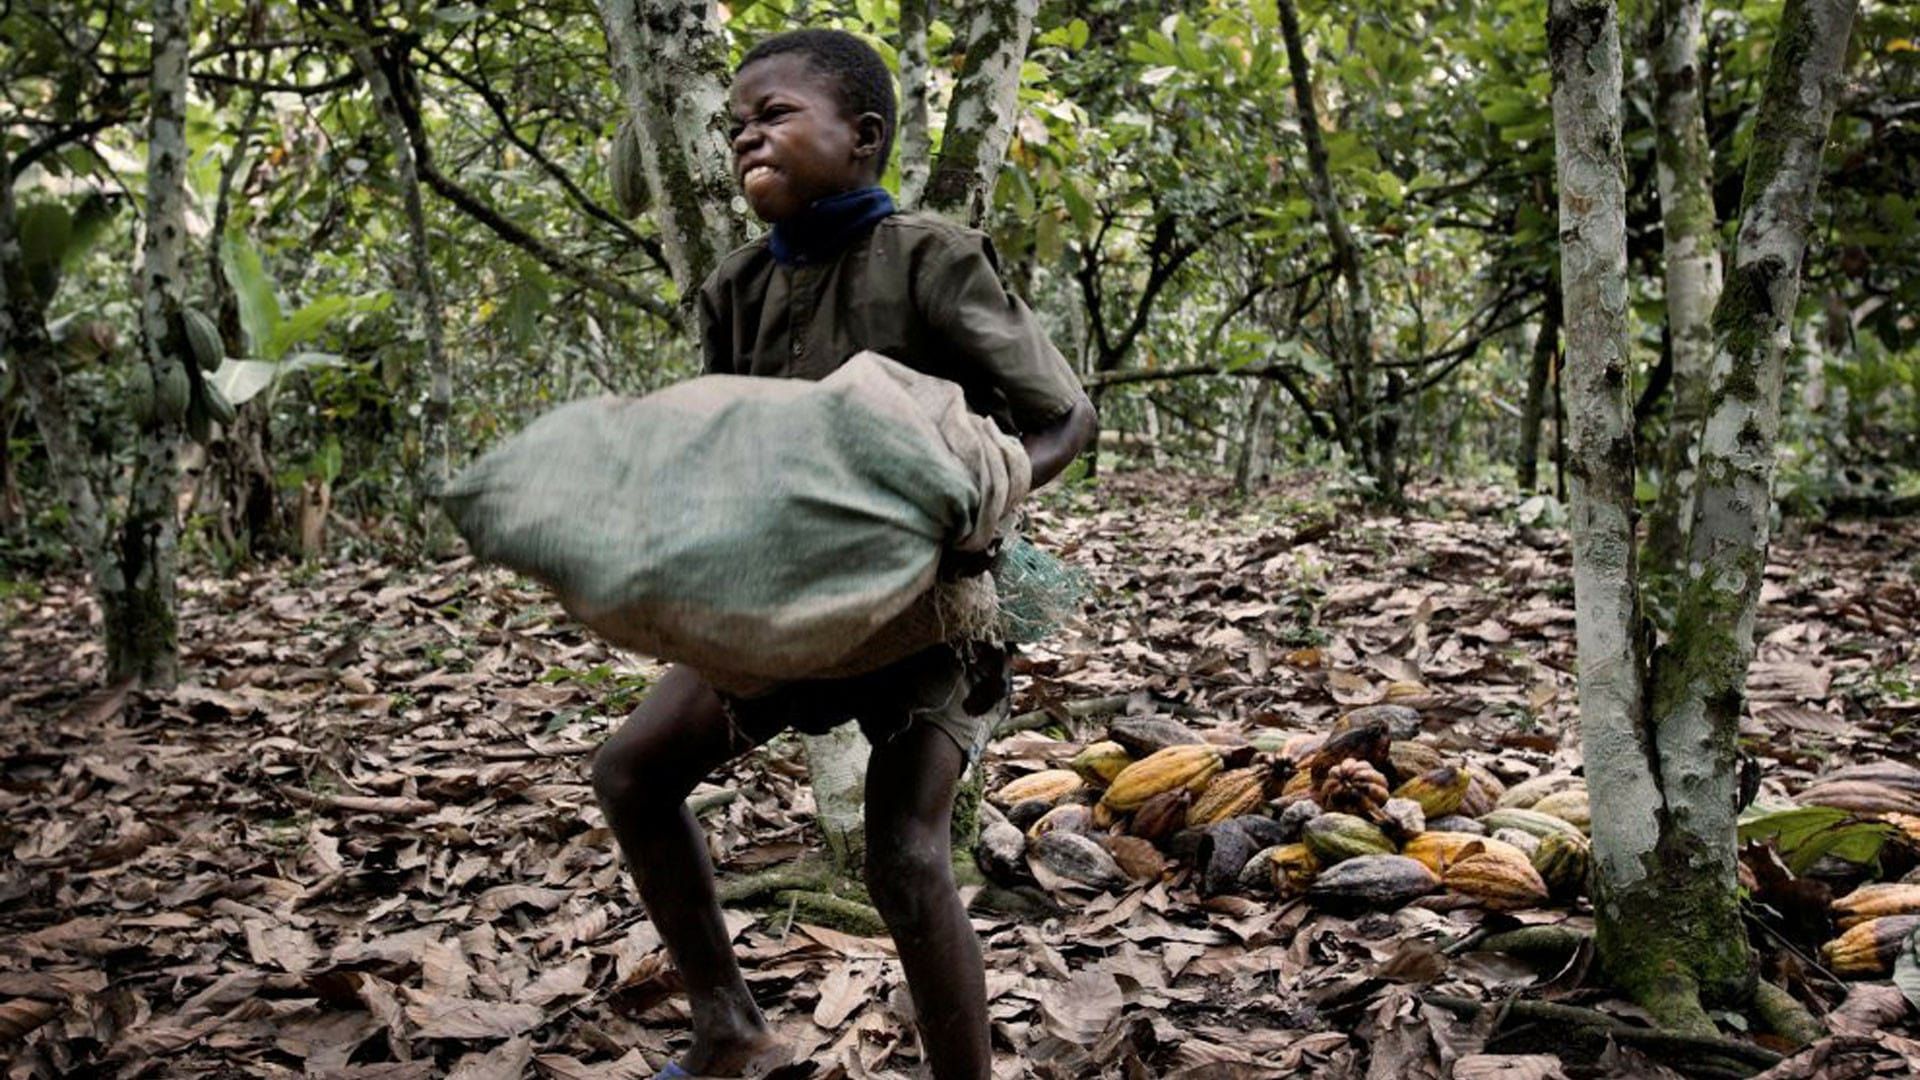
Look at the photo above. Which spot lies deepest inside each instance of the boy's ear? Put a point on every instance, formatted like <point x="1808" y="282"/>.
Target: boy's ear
<point x="869" y="134"/>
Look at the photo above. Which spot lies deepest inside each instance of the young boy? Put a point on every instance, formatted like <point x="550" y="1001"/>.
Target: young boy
<point x="841" y="272"/>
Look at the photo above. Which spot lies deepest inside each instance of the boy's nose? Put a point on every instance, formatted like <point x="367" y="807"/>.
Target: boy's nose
<point x="744" y="141"/>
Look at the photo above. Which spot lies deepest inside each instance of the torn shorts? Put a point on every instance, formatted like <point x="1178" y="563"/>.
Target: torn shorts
<point x="961" y="688"/>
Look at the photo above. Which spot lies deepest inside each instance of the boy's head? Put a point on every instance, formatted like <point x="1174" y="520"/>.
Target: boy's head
<point x="813" y="116"/>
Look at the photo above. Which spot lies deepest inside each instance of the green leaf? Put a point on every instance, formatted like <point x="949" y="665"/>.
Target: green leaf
<point x="259" y="306"/>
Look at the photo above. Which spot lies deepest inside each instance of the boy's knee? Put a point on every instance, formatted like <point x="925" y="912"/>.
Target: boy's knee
<point x="631" y="774"/>
<point x="905" y="877"/>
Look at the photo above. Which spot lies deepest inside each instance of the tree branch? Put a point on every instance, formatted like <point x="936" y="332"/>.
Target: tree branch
<point x="558" y="261"/>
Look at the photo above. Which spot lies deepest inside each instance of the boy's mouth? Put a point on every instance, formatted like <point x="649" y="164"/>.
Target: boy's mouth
<point x="756" y="176"/>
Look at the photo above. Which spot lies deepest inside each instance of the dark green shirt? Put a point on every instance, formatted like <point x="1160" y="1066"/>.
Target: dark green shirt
<point x="917" y="289"/>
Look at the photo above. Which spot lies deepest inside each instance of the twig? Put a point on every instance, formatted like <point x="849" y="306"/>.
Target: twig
<point x="359" y="804"/>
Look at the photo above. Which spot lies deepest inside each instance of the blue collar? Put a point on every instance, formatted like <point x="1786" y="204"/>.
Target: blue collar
<point x="824" y="229"/>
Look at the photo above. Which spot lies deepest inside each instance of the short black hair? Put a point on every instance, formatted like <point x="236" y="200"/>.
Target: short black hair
<point x="865" y="85"/>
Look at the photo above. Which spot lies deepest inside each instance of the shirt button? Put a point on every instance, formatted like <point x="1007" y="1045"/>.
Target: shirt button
<point x="799" y="348"/>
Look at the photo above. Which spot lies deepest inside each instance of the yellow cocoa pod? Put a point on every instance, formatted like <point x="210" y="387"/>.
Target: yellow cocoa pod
<point x="1500" y="882"/>
<point x="1867" y="951"/>
<point x="1227" y="795"/>
<point x="1570" y="806"/>
<point x="1100" y="762"/>
<point x="1050" y="785"/>
<point x="1294" y="867"/>
<point x="1875" y="901"/>
<point x="1524" y="794"/>
<point x="1187" y="767"/>
<point x="1439" y="850"/>
<point x="1438" y="791"/>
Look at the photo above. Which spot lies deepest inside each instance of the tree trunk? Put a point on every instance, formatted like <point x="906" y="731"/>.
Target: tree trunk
<point x="916" y="136"/>
<point x="1685" y="177"/>
<point x="670" y="60"/>
<point x="421" y="299"/>
<point x="1538" y="373"/>
<point x="980" y="118"/>
<point x="1356" y="337"/>
<point x="1256" y="450"/>
<point x="1662" y="761"/>
<point x="137" y="593"/>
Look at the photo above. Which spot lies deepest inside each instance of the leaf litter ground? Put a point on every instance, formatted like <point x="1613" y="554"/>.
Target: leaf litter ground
<point x="360" y="841"/>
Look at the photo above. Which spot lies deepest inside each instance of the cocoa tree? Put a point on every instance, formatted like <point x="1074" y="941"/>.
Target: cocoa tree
<point x="1660" y="723"/>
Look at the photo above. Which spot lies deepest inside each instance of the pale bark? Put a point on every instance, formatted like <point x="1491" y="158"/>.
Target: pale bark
<point x="1255" y="462"/>
<point x="1702" y="673"/>
<point x="1684" y="171"/>
<point x="421" y="296"/>
<point x="137" y="589"/>
<point x="1662" y="771"/>
<point x="670" y="60"/>
<point x="1355" y="338"/>
<point x="980" y="117"/>
<point x="916" y="136"/>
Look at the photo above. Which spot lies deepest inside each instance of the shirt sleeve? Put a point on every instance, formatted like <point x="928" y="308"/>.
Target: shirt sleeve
<point x="993" y="332"/>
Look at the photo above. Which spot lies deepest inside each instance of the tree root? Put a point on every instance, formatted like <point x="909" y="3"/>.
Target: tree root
<point x="1675" y="1043"/>
<point x="803" y="876"/>
<point x="1783" y="1015"/>
<point x="836" y="912"/>
<point x="1544" y="945"/>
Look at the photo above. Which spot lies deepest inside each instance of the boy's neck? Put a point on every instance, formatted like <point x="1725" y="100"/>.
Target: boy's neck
<point x="825" y="228"/>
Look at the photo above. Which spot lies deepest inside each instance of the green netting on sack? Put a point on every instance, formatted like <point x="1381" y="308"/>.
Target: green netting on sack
<point x="1037" y="592"/>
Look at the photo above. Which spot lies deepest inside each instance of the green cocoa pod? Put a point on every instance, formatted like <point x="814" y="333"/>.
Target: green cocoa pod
<point x="203" y="339"/>
<point x="172" y="392"/>
<point x="140" y="395"/>
<point x="219" y="409"/>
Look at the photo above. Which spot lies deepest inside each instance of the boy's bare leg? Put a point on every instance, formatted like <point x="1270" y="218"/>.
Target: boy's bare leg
<point x="642" y="775"/>
<point x="910" y="784"/>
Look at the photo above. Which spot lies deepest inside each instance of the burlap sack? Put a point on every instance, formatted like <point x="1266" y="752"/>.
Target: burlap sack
<point x="760" y="529"/>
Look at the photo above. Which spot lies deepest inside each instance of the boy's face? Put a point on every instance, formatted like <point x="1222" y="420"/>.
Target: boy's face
<point x="793" y="142"/>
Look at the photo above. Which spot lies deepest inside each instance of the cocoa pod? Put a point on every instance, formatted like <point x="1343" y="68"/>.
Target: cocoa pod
<point x="1001" y="852"/>
<point x="1161" y="816"/>
<point x="1071" y="859"/>
<point x="1295" y="817"/>
<point x="1144" y="735"/>
<point x="1223" y="852"/>
<point x="1371" y="882"/>
<point x="1400" y="722"/>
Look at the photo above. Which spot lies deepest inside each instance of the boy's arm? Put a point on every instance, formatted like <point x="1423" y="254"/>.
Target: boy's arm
<point x="1053" y="447"/>
<point x="994" y="332"/>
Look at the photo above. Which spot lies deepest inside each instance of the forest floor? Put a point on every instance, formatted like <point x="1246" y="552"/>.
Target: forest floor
<point x="360" y="841"/>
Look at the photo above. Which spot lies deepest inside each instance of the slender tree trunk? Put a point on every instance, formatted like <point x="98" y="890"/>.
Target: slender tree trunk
<point x="1660" y="750"/>
<point x="422" y="294"/>
<point x="1685" y="175"/>
<point x="1356" y="337"/>
<point x="25" y="340"/>
<point x="916" y="136"/>
<point x="1538" y="372"/>
<point x="670" y="60"/>
<point x="138" y="591"/>
<point x="1256" y="450"/>
<point x="980" y="118"/>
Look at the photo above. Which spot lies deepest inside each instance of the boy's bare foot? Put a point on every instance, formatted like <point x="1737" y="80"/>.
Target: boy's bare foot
<point x="746" y="1055"/>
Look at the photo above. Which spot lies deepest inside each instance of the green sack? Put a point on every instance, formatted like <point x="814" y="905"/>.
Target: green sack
<point x="762" y="529"/>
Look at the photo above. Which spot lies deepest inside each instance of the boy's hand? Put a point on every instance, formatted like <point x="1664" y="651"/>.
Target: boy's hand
<point x="955" y="564"/>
